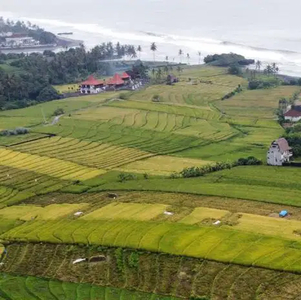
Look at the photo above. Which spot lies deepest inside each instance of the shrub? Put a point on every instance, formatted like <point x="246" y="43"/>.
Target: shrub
<point x="58" y="112"/>
<point x="17" y="131"/>
<point x="231" y="94"/>
<point x="156" y="98"/>
<point x="119" y="259"/>
<point x="126" y="177"/>
<point x="133" y="260"/>
<point x="124" y="96"/>
<point x="235" y="69"/>
<point x="201" y="171"/>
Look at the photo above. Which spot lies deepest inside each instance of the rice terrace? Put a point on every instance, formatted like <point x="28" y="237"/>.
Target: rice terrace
<point x="157" y="193"/>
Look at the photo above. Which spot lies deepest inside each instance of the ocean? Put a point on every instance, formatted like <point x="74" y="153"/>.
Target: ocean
<point x="266" y="30"/>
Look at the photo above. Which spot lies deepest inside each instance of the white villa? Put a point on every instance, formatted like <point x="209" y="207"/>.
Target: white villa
<point x="91" y="86"/>
<point x="279" y="152"/>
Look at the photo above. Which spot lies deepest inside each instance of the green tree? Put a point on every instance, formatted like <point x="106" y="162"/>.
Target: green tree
<point x="258" y="65"/>
<point x="47" y="94"/>
<point x="139" y="49"/>
<point x="154" y="48"/>
<point x="179" y="69"/>
<point x="188" y="58"/>
<point x="199" y="54"/>
<point x="180" y="55"/>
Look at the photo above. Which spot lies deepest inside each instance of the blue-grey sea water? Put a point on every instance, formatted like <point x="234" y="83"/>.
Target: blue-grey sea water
<point x="268" y="30"/>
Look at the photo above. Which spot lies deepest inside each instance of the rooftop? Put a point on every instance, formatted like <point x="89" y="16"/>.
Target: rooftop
<point x="92" y="81"/>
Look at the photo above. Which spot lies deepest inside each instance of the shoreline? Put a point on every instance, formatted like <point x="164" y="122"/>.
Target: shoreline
<point x="63" y="44"/>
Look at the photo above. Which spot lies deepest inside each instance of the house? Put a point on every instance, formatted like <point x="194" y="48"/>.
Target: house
<point x="91" y="86"/>
<point x="279" y="152"/>
<point x="116" y="81"/>
<point x="294" y="114"/>
<point x="125" y="77"/>
<point x="20" y="39"/>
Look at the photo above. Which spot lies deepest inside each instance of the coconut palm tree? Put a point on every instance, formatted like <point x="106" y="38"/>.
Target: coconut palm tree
<point x="166" y="69"/>
<point x="180" y="54"/>
<point x="154" y="48"/>
<point x="199" y="54"/>
<point x="188" y="58"/>
<point x="153" y="72"/>
<point x="258" y="65"/>
<point x="159" y="73"/>
<point x="139" y="49"/>
<point x="166" y="58"/>
<point x="179" y="69"/>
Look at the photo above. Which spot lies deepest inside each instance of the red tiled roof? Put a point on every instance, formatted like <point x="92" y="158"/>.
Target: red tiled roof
<point x="125" y="75"/>
<point x="293" y="113"/>
<point x="116" y="80"/>
<point x="92" y="81"/>
<point x="283" y="145"/>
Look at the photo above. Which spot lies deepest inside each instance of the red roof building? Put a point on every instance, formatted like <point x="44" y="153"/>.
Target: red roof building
<point x="293" y="114"/>
<point x="125" y="76"/>
<point x="116" y="80"/>
<point x="92" y="81"/>
<point x="91" y="86"/>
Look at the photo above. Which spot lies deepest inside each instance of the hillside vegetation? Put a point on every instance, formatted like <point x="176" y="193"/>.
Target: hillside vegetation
<point x="103" y="184"/>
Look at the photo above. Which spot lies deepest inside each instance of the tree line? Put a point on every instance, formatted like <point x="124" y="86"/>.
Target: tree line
<point x="36" y="73"/>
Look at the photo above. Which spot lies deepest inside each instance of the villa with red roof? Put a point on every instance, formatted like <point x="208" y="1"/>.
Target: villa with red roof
<point x="294" y="114"/>
<point x="116" y="81"/>
<point x="91" y="86"/>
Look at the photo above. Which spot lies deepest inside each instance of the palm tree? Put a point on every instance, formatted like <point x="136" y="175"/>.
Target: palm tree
<point x="153" y="72"/>
<point x="166" y="69"/>
<point x="159" y="73"/>
<point x="269" y="69"/>
<point x="180" y="54"/>
<point x="275" y="68"/>
<point x="179" y="69"/>
<point x="258" y="65"/>
<point x="199" y="54"/>
<point x="153" y="48"/>
<point x="139" y="49"/>
<point x="188" y="58"/>
<point x="166" y="58"/>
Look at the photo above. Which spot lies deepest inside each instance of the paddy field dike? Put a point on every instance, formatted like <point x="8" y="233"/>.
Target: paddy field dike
<point x="93" y="207"/>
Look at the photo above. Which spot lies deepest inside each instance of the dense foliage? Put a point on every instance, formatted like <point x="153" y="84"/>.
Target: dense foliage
<point x="201" y="171"/>
<point x="293" y="136"/>
<point x="233" y="93"/>
<point x="227" y="59"/>
<point x="17" y="131"/>
<point x="35" y="73"/>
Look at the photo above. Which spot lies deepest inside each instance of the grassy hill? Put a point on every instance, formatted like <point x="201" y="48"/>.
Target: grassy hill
<point x="99" y="184"/>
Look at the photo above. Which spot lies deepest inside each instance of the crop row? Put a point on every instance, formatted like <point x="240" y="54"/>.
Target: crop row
<point x="221" y="244"/>
<point x="145" y="140"/>
<point x="152" y="273"/>
<point x="47" y="166"/>
<point x="86" y="153"/>
<point x="20" y="288"/>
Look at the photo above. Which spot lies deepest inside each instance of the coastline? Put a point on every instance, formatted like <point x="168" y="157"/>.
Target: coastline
<point x="63" y="44"/>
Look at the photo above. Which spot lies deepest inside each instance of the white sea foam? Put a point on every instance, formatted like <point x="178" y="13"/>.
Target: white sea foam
<point x="169" y="44"/>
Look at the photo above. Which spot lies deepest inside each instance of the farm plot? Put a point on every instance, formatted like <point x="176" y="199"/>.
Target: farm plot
<point x="91" y="154"/>
<point x="49" y="212"/>
<point x="199" y="94"/>
<point x="220" y="244"/>
<point x="258" y="103"/>
<point x="189" y="111"/>
<point x="47" y="166"/>
<point x="32" y="288"/>
<point x="160" y="121"/>
<point x="126" y="211"/>
<point x="28" y="181"/>
<point x="143" y="139"/>
<point x="162" y="165"/>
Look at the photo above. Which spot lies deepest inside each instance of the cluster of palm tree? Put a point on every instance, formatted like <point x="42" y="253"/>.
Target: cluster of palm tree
<point x="154" y="48"/>
<point x="270" y="69"/>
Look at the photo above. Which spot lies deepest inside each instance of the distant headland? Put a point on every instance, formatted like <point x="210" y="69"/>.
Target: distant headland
<point x="16" y="37"/>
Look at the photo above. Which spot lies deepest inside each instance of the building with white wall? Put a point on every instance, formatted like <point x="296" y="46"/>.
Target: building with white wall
<point x="279" y="152"/>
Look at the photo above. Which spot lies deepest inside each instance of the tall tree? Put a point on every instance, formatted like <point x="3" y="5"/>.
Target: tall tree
<point x="153" y="48"/>
<point x="139" y="49"/>
<point x="180" y="54"/>
<point x="199" y="54"/>
<point x="188" y="58"/>
<point x="258" y="65"/>
<point x="166" y="58"/>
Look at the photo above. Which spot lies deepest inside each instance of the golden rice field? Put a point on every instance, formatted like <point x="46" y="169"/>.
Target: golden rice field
<point x="87" y="153"/>
<point x="47" y="166"/>
<point x="49" y="212"/>
<point x="162" y="165"/>
<point x="127" y="211"/>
